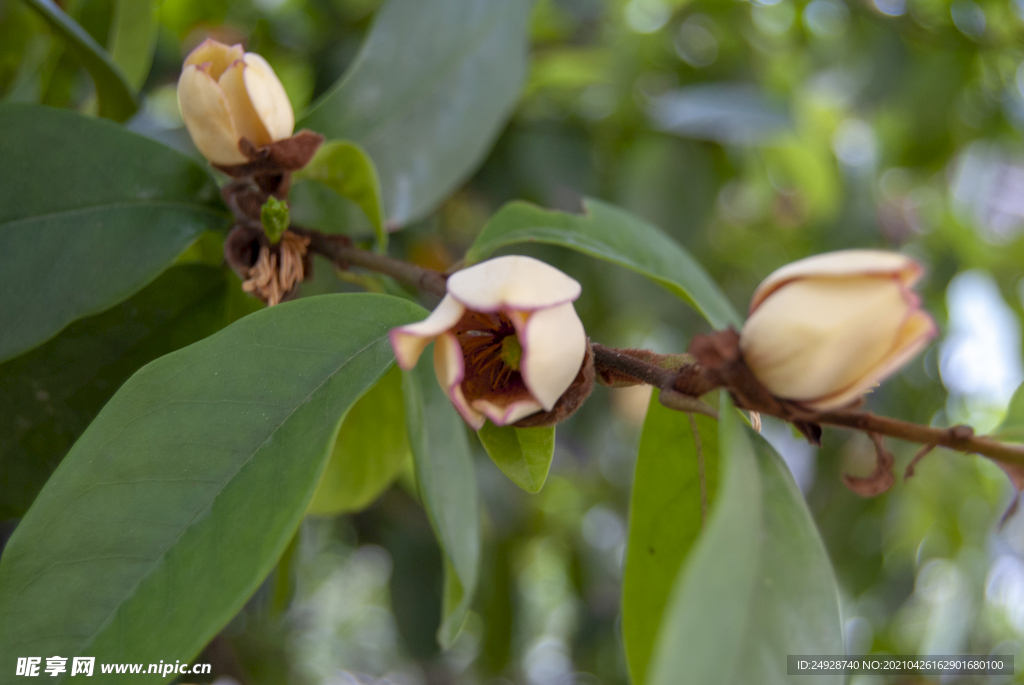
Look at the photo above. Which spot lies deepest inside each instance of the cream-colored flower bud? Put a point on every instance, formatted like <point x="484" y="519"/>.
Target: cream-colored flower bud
<point x="226" y="94"/>
<point x="824" y="330"/>
<point x="507" y="340"/>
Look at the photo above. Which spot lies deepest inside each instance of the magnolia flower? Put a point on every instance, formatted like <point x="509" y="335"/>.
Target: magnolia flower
<point x="824" y="330"/>
<point x="226" y="94"/>
<point x="508" y="342"/>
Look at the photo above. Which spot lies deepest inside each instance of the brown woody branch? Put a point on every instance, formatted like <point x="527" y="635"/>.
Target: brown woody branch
<point x="959" y="438"/>
<point x="693" y="378"/>
<point x="339" y="249"/>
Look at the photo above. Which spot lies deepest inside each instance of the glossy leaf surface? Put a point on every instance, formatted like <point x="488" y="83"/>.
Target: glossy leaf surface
<point x="758" y="584"/>
<point x="116" y="97"/>
<point x="345" y="168"/>
<point x="133" y="38"/>
<point x="609" y="233"/>
<point x="522" y="454"/>
<point x="371" y="449"/>
<point x="179" y="498"/>
<point x="664" y="522"/>
<point x="89" y="214"/>
<point x="427" y="95"/>
<point x="447" y="486"/>
<point x="50" y="394"/>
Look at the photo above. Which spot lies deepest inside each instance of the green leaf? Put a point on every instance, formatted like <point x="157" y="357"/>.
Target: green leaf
<point x="116" y="97"/>
<point x="89" y="214"/>
<point x="179" y="498"/>
<point x="133" y="38"/>
<point x="664" y="522"/>
<point x="447" y="485"/>
<point x="50" y="394"/>
<point x="345" y="167"/>
<point x="371" y="450"/>
<point x="758" y="584"/>
<point x="609" y="233"/>
<point x="1012" y="427"/>
<point x="428" y="93"/>
<point x="523" y="454"/>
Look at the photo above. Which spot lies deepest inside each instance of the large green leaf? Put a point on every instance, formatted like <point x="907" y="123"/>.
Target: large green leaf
<point x="133" y="38"/>
<point x="609" y="233"/>
<point x="50" y="395"/>
<point x="758" y="584"/>
<point x="430" y="90"/>
<point x="664" y="522"/>
<point x="345" y="168"/>
<point x="89" y="214"/>
<point x="371" y="449"/>
<point x="179" y="498"/>
<point x="447" y="486"/>
<point x="523" y="454"/>
<point x="116" y="98"/>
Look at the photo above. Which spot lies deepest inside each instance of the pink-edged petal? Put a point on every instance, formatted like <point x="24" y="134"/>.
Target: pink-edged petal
<point x="207" y="115"/>
<point x="409" y="341"/>
<point x="843" y="263"/>
<point x="917" y="331"/>
<point x="817" y="337"/>
<point x="268" y="97"/>
<point x="217" y="54"/>
<point x="451" y="370"/>
<point x="503" y="415"/>
<point x="243" y="113"/>
<point x="554" y="344"/>
<point x="512" y="282"/>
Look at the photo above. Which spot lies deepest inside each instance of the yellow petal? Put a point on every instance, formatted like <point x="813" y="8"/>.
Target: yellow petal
<point x="268" y="97"/>
<point x="512" y="282"/>
<point x="217" y="54"/>
<point x="841" y="264"/>
<point x="243" y="114"/>
<point x="917" y="330"/>
<point x="408" y="342"/>
<point x="814" y="338"/>
<point x="207" y="116"/>
<point x="450" y="369"/>
<point x="554" y="344"/>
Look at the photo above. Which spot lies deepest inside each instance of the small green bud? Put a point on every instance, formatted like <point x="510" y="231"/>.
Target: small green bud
<point x="511" y="352"/>
<point x="275" y="217"/>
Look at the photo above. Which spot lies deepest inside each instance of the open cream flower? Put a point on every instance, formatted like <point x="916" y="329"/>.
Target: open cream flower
<point x="824" y="330"/>
<point x="226" y="94"/>
<point x="508" y="340"/>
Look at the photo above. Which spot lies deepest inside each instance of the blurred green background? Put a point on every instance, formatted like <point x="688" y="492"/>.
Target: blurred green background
<point x="755" y="133"/>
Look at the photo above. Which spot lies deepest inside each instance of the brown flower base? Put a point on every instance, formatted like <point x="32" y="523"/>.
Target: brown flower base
<point x="720" y="365"/>
<point x="571" y="400"/>
<point x="269" y="171"/>
<point x="290" y="154"/>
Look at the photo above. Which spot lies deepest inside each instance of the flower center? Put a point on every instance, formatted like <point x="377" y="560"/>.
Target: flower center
<point x="492" y="355"/>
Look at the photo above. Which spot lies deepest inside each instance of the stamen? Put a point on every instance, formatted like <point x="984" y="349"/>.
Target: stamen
<point x="491" y="352"/>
